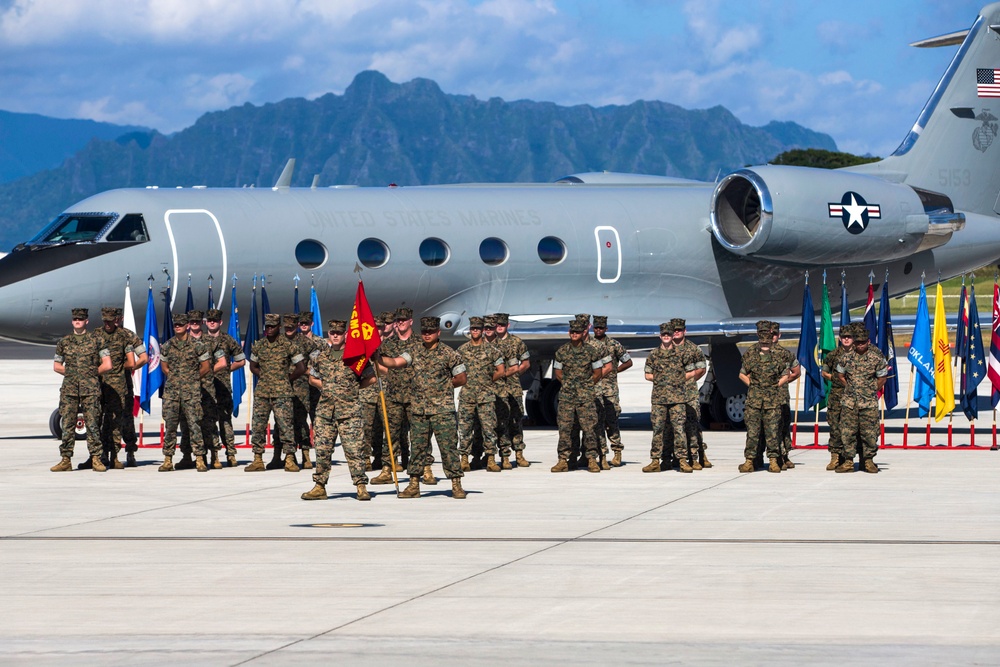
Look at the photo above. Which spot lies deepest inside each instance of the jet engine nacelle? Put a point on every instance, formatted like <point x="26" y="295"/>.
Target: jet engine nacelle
<point x="798" y="215"/>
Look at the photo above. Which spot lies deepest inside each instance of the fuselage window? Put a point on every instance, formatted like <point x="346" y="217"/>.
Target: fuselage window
<point x="434" y="252"/>
<point x="373" y="253"/>
<point x="131" y="228"/>
<point x="493" y="251"/>
<point x="75" y="227"/>
<point x="551" y="250"/>
<point x="310" y="254"/>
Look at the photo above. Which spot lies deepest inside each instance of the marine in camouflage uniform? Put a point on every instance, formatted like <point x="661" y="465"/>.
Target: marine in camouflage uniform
<point x="501" y="408"/>
<point x="128" y="419"/>
<point x="863" y="370"/>
<point x="578" y="455"/>
<point x="485" y="367"/>
<point x="80" y="360"/>
<point x="399" y="386"/>
<point x="222" y="382"/>
<point x="517" y="360"/>
<point x="270" y="360"/>
<point x="786" y="412"/>
<point x="338" y="413"/>
<point x="695" y="367"/>
<point x="665" y="368"/>
<point x="185" y="362"/>
<point x="836" y="396"/>
<point x="764" y="373"/>
<point x="209" y="400"/>
<point x="116" y="401"/>
<point x="607" y="390"/>
<point x="438" y="370"/>
<point x="578" y="366"/>
<point x="299" y="400"/>
<point x="373" y="422"/>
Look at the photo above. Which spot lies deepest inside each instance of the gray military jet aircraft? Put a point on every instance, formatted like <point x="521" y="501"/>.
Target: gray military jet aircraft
<point x="638" y="248"/>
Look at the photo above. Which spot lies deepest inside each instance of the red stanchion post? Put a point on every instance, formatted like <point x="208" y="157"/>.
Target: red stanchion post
<point x="795" y="430"/>
<point x="161" y="435"/>
<point x="949" y="435"/>
<point x="972" y="434"/>
<point x="906" y="429"/>
<point x="246" y="441"/>
<point x="928" y="443"/>
<point x="881" y="428"/>
<point x="816" y="434"/>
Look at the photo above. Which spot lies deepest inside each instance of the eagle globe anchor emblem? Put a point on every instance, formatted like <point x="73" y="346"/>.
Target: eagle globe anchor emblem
<point x="983" y="136"/>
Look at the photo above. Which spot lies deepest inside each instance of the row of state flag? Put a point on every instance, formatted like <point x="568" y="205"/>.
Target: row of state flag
<point x="930" y="351"/>
<point x="362" y="336"/>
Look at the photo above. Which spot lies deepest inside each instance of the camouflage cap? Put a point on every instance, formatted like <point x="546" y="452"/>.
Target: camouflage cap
<point x="290" y="320"/>
<point x="81" y="312"/>
<point x="430" y="323"/>
<point x="272" y="320"/>
<point x="336" y="326"/>
<point x="860" y="333"/>
<point x="385" y="317"/>
<point x="108" y="314"/>
<point x="584" y="317"/>
<point x="666" y="328"/>
<point x="846" y="330"/>
<point x="502" y="319"/>
<point x="577" y="326"/>
<point x="678" y="324"/>
<point x="306" y="317"/>
<point x="763" y="328"/>
<point x="490" y="322"/>
<point x="775" y="327"/>
<point x="195" y="316"/>
<point x="213" y="314"/>
<point x="475" y="322"/>
<point x="403" y="313"/>
<point x="601" y="321"/>
<point x="180" y="319"/>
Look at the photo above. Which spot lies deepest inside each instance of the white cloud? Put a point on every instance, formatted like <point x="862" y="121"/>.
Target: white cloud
<point x="216" y="92"/>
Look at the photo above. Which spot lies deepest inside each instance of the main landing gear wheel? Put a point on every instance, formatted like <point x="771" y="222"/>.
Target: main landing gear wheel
<point x="55" y="426"/>
<point x="729" y="410"/>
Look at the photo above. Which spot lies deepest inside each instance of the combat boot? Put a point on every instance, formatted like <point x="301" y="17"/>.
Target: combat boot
<point x="397" y="466"/>
<point x="186" y="461"/>
<point x="491" y="465"/>
<point x="216" y="463"/>
<point x="604" y="462"/>
<point x="684" y="466"/>
<point x="318" y="492"/>
<point x="505" y="464"/>
<point x="429" y="477"/>
<point x="290" y="464"/>
<point x="306" y="461"/>
<point x="115" y="463"/>
<point x="696" y="465"/>
<point x="465" y="463"/>
<point x="870" y="466"/>
<point x="97" y="465"/>
<point x="231" y="460"/>
<point x="774" y="466"/>
<point x="787" y="463"/>
<point x="130" y="460"/>
<point x="412" y="489"/>
<point x="168" y="463"/>
<point x="276" y="462"/>
<point x="385" y="477"/>
<point x="616" y="460"/>
<point x="257" y="465"/>
<point x="520" y="460"/>
<point x="847" y="465"/>
<point x="654" y="466"/>
<point x="834" y="461"/>
<point x="593" y="465"/>
<point x="456" y="489"/>
<point x="561" y="466"/>
<point x="705" y="463"/>
<point x="363" y="492"/>
<point x="199" y="463"/>
<point x="64" y="465"/>
<point x="746" y="466"/>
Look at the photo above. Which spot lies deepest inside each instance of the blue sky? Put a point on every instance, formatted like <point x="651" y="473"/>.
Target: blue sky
<point x="843" y="67"/>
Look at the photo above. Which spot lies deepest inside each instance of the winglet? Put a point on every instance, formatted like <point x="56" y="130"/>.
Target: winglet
<point x="285" y="180"/>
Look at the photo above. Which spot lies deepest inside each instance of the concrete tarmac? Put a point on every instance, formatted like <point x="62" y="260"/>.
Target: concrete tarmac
<point x="715" y="567"/>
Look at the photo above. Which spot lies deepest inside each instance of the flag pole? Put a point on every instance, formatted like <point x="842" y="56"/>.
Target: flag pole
<point x="385" y="423"/>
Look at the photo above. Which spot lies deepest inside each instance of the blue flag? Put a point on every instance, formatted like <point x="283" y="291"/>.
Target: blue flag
<point x="921" y="355"/>
<point x="870" y="321"/>
<point x="845" y="312"/>
<point x="152" y="374"/>
<point x="238" y="376"/>
<point x="973" y="363"/>
<point x="887" y="346"/>
<point x="189" y="305"/>
<point x="317" y="327"/>
<point x="295" y="305"/>
<point x="251" y="336"/>
<point x="168" y="323"/>
<point x="806" y="354"/>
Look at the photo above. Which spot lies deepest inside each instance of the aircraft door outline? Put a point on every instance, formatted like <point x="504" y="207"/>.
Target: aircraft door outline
<point x="202" y="243"/>
<point x="609" y="254"/>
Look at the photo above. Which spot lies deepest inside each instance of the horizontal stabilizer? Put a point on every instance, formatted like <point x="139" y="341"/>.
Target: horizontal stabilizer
<point x="285" y="180"/>
<point x="951" y="39"/>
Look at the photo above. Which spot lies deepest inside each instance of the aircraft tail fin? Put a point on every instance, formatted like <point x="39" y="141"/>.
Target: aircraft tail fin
<point x="954" y="147"/>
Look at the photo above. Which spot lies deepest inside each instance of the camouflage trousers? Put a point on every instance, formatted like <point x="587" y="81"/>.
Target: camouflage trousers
<point x="608" y="410"/>
<point x="834" y="408"/>
<point x="585" y="415"/>
<point x="786" y="430"/>
<point x="373" y="433"/>
<point x="328" y="427"/>
<point x="190" y="410"/>
<point x="478" y="421"/>
<point x="859" y="424"/>
<point x="444" y="427"/>
<point x="263" y="406"/>
<point x="510" y="430"/>
<point x="128" y="423"/>
<point x="70" y="405"/>
<point x="400" y="424"/>
<point x="300" y="425"/>
<point x="675" y="417"/>
<point x="209" y="425"/>
<point x="695" y="441"/>
<point x="113" y="413"/>
<point x="766" y="421"/>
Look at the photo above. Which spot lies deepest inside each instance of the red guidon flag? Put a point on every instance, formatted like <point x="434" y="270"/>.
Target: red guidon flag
<point x="362" y="334"/>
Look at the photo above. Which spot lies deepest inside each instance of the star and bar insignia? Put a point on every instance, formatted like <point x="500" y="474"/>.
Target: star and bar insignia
<point x="854" y="212"/>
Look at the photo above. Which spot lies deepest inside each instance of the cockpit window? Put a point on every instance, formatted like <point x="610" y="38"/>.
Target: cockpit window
<point x="74" y="228"/>
<point x="131" y="228"/>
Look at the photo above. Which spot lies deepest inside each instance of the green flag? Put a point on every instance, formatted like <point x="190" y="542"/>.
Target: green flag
<point x="827" y="339"/>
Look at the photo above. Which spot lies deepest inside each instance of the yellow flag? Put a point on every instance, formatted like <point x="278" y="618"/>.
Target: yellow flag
<point x="943" y="384"/>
